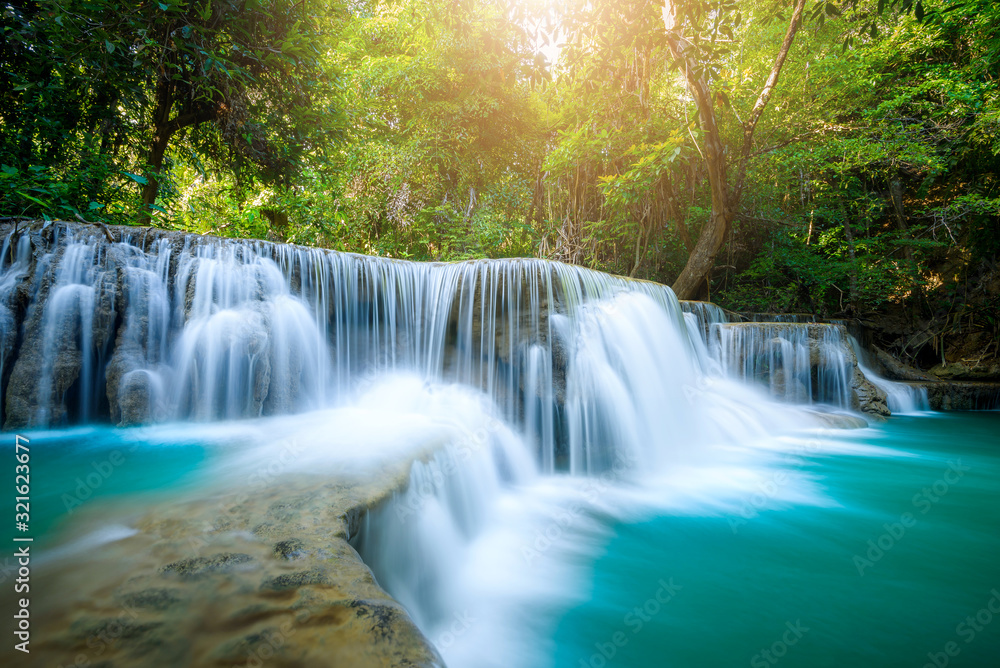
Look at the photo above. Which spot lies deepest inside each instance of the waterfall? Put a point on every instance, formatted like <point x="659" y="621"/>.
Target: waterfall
<point x="535" y="399"/>
<point x="791" y="318"/>
<point x="797" y="358"/>
<point x="638" y="406"/>
<point x="902" y="398"/>
<point x="163" y="326"/>
<point x="799" y="363"/>
<point x="15" y="260"/>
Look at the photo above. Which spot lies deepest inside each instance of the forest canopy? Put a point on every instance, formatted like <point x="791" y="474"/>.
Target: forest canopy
<point x="834" y="157"/>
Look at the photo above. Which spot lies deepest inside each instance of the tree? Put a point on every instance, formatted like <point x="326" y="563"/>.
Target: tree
<point x="444" y="133"/>
<point x="619" y="162"/>
<point x="694" y="30"/>
<point x="234" y="78"/>
<point x="887" y="204"/>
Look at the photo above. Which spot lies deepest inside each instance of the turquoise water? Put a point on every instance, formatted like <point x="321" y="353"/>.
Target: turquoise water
<point x="798" y="582"/>
<point x="76" y="470"/>
<point x="891" y="558"/>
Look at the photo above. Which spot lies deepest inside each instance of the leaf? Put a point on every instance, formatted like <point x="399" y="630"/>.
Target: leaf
<point x="141" y="180"/>
<point x="33" y="199"/>
<point x="919" y="12"/>
<point x="109" y="46"/>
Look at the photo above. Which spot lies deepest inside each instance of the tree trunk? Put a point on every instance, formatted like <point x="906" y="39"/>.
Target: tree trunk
<point x="713" y="234"/>
<point x="152" y="186"/>
<point x="696" y="272"/>
<point x="157" y="149"/>
<point x="163" y="129"/>
<point x="852" y="295"/>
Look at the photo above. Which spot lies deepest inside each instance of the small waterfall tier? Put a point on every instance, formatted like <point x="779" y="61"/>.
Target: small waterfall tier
<point x="793" y="318"/>
<point x="900" y="397"/>
<point x="798" y="363"/>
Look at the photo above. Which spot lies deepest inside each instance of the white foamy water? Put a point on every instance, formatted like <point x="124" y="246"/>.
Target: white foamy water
<point x="541" y="402"/>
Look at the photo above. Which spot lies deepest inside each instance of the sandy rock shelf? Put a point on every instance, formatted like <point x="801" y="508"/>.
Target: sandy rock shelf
<point x="234" y="578"/>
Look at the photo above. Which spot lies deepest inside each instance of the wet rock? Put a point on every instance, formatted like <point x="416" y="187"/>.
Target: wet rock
<point x="960" y="371"/>
<point x="868" y="398"/>
<point x="198" y="566"/>
<point x="290" y="549"/>
<point x="188" y="589"/>
<point x="897" y="370"/>
<point x="792" y="389"/>
<point x="42" y="374"/>
<point x="264" y="644"/>
<point x="296" y="580"/>
<point x="382" y="618"/>
<point x="809" y="351"/>
<point x="105" y="313"/>
<point x="961" y="395"/>
<point x="156" y="598"/>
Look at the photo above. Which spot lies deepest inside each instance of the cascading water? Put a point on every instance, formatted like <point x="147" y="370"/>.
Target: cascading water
<point x="799" y="363"/>
<point x="792" y="318"/>
<point x="176" y="327"/>
<point x="638" y="407"/>
<point x="902" y="398"/>
<point x="15" y="260"/>
<point x="538" y="399"/>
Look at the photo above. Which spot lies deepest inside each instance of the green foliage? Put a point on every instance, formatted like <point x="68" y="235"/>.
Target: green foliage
<point x="93" y="89"/>
<point x="436" y="130"/>
<point x="900" y="141"/>
<point x="40" y="191"/>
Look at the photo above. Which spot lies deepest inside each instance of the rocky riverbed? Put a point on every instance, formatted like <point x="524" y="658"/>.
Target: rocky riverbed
<point x="230" y="578"/>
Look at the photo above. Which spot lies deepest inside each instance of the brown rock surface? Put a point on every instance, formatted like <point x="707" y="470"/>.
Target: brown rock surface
<point x="238" y="578"/>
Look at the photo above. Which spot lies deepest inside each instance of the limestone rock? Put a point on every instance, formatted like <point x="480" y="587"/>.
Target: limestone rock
<point x="897" y="370"/>
<point x="960" y="371"/>
<point x="234" y="578"/>
<point x="950" y="395"/>
<point x="868" y="398"/>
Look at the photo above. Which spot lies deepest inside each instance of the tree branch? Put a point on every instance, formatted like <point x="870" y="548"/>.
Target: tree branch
<point x="104" y="228"/>
<point x="193" y="118"/>
<point x="765" y="95"/>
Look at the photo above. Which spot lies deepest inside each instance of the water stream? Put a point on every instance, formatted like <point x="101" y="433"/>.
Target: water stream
<point x="605" y="477"/>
